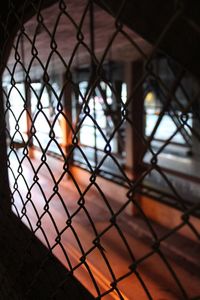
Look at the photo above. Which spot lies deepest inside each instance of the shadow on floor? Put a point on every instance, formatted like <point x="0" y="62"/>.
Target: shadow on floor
<point x="28" y="270"/>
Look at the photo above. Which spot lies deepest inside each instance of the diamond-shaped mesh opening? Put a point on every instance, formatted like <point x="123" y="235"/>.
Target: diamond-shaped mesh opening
<point x="103" y="142"/>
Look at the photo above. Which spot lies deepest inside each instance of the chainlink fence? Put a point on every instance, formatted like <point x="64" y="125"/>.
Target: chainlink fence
<point x="103" y="140"/>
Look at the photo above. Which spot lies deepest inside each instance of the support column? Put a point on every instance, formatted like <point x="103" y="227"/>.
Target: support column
<point x="28" y="117"/>
<point x="134" y="145"/>
<point x="192" y="89"/>
<point x="67" y="103"/>
<point x="117" y="109"/>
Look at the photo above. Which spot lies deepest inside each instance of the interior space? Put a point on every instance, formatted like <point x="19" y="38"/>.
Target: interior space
<point x="102" y="128"/>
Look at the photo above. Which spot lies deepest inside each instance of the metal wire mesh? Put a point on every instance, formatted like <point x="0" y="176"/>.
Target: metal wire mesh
<point x="97" y="119"/>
